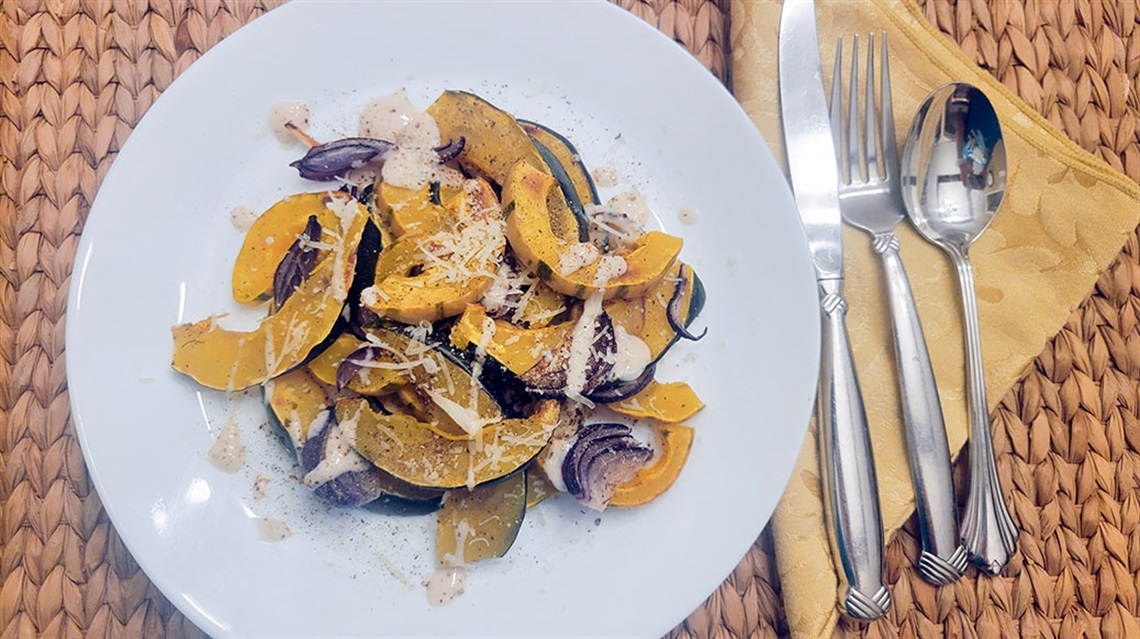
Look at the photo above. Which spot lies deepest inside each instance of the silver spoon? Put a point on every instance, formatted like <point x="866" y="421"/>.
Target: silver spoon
<point x="953" y="179"/>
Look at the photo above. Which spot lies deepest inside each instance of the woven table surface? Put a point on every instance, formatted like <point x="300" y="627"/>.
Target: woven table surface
<point x="77" y="76"/>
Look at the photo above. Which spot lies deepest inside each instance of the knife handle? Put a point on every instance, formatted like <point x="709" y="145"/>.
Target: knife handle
<point x="847" y="465"/>
<point x="943" y="558"/>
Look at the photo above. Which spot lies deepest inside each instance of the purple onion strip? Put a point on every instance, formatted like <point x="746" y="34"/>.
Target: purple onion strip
<point x="326" y="162"/>
<point x="451" y="150"/>
<point x="297" y="264"/>
<point x="673" y="310"/>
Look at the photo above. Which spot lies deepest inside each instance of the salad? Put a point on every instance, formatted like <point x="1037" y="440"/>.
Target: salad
<point x="458" y="325"/>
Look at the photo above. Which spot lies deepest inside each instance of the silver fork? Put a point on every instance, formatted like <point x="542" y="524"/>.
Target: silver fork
<point x="870" y="198"/>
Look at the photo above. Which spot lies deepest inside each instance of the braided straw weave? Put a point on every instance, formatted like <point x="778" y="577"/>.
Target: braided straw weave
<point x="76" y="76"/>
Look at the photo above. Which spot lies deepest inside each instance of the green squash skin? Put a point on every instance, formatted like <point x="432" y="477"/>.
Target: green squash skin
<point x="568" y="190"/>
<point x="570" y="148"/>
<point x="502" y="500"/>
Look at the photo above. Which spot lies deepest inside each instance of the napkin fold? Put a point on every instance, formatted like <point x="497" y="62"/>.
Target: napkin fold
<point x="1065" y="216"/>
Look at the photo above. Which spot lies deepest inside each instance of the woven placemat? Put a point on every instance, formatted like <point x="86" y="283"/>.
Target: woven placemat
<point x="77" y="76"/>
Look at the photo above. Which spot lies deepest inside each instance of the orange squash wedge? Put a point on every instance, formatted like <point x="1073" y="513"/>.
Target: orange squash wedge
<point x="539" y="248"/>
<point x="233" y="360"/>
<point x="273" y="232"/>
<point x="650" y="482"/>
<point x="517" y="349"/>
<point x="671" y="403"/>
<point x="412" y="451"/>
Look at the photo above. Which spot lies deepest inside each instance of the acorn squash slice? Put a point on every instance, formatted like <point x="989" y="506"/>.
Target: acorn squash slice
<point x="233" y="360"/>
<point x="274" y="231"/>
<point x="517" y="349"/>
<point x="481" y="523"/>
<point x="449" y="397"/>
<point x="296" y="400"/>
<point x="674" y="442"/>
<point x="413" y="452"/>
<point x="646" y="317"/>
<point x="540" y="250"/>
<point x="413" y="211"/>
<point x="367" y="381"/>
<point x="494" y="139"/>
<point x="455" y="267"/>
<point x="568" y="157"/>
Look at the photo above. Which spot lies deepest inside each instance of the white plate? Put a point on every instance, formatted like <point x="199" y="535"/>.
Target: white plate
<point x="159" y="246"/>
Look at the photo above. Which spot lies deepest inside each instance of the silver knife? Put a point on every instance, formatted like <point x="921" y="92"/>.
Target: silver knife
<point x="846" y="463"/>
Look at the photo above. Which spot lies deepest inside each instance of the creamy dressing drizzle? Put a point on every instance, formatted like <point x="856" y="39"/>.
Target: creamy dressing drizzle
<point x="284" y="113"/>
<point x="581" y="344"/>
<point x="605" y="176"/>
<point x="228" y="452"/>
<point x="577" y="256"/>
<point x="272" y="530"/>
<point x="631" y="204"/>
<point x="338" y="456"/>
<point x="688" y="215"/>
<point x="446" y="584"/>
<point x="632" y="355"/>
<point x="243" y="217"/>
<point x="395" y="119"/>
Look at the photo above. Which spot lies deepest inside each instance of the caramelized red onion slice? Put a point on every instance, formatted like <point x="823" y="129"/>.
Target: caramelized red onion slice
<point x="349" y="489"/>
<point x="618" y="390"/>
<point x="603" y="456"/>
<point x="350" y="367"/>
<point x="673" y="310"/>
<point x="451" y="150"/>
<point x="326" y="162"/>
<point x="297" y="264"/>
<point x="548" y="377"/>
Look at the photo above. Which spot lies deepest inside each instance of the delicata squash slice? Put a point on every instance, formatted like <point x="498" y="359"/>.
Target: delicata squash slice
<point x="233" y="360"/>
<point x="537" y="246"/>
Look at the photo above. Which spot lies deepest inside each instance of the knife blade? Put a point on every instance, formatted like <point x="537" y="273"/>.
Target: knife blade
<point x="846" y="463"/>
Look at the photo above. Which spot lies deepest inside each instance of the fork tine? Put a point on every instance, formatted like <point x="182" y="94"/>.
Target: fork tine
<point x="837" y="105"/>
<point x="855" y="142"/>
<point x="871" y="137"/>
<point x="890" y="146"/>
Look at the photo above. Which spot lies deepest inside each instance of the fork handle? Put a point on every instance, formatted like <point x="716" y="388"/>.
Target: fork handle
<point x="847" y="465"/>
<point x="943" y="558"/>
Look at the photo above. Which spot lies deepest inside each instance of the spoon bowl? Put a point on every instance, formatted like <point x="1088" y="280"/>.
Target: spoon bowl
<point x="954" y="166"/>
<point x="953" y="172"/>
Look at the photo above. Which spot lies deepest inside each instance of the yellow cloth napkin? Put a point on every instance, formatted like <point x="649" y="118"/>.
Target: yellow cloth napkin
<point x="1065" y="217"/>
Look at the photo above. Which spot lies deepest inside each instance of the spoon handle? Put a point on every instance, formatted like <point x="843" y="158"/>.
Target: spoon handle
<point x="943" y="558"/>
<point x="847" y="464"/>
<point x="988" y="532"/>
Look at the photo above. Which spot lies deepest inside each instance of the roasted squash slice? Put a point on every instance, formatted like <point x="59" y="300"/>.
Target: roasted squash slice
<point x="646" y="317"/>
<point x="567" y="156"/>
<point x="410" y="211"/>
<point x="410" y="450"/>
<point x="494" y="140"/>
<point x="454" y="267"/>
<point x="535" y="244"/>
<point x="233" y="360"/>
<point x="517" y="349"/>
<point x="274" y="232"/>
<point x="538" y="487"/>
<point x="369" y="381"/>
<point x="296" y="400"/>
<point x="541" y="307"/>
<point x="455" y="404"/>
<point x="481" y="523"/>
<point x="671" y="403"/>
<point x="650" y="482"/>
